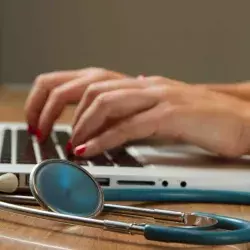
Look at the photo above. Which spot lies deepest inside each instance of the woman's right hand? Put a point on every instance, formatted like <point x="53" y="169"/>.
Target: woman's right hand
<point x="112" y="116"/>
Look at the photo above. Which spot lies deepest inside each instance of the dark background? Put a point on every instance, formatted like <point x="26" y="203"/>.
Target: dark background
<point x="194" y="41"/>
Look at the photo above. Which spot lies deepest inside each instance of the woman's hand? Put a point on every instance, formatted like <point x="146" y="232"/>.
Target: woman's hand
<point x="114" y="112"/>
<point x="53" y="91"/>
<point x="115" y="108"/>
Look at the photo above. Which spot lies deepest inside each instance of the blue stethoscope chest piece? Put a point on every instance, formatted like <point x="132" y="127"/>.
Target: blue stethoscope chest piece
<point x="66" y="188"/>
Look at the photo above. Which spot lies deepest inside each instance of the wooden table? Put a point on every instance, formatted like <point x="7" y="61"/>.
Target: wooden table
<point x="22" y="232"/>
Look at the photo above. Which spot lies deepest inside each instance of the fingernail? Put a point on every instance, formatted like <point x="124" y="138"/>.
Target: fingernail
<point x="79" y="150"/>
<point x="31" y="130"/>
<point x="68" y="146"/>
<point x="38" y="134"/>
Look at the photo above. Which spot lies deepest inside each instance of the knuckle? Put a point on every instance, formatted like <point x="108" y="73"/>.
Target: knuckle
<point x="157" y="78"/>
<point x="58" y="94"/>
<point x="91" y="92"/>
<point x="97" y="72"/>
<point x="103" y="100"/>
<point x="43" y="80"/>
<point x="40" y="79"/>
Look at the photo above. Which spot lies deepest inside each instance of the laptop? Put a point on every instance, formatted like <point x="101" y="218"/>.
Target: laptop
<point x="151" y="164"/>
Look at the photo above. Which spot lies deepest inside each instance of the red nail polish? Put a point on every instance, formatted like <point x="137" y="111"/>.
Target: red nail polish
<point x="68" y="146"/>
<point x="80" y="150"/>
<point x="31" y="130"/>
<point x="38" y="134"/>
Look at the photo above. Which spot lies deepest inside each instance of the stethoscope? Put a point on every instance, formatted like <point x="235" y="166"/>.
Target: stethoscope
<point x="69" y="194"/>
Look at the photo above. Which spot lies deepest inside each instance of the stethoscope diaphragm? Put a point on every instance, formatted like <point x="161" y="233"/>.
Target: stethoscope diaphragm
<point x="65" y="187"/>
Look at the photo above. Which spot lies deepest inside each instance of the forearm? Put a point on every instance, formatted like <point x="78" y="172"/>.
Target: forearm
<point x="237" y="89"/>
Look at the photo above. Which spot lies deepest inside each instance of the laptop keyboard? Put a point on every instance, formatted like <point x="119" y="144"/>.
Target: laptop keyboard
<point x="29" y="151"/>
<point x="25" y="151"/>
<point x="6" y="147"/>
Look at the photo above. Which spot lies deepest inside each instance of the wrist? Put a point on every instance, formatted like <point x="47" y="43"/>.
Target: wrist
<point x="240" y="90"/>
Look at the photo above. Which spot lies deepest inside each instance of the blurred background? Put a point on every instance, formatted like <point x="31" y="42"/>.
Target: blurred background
<point x="193" y="41"/>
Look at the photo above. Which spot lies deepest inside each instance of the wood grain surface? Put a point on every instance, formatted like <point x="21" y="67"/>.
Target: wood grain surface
<point x="24" y="232"/>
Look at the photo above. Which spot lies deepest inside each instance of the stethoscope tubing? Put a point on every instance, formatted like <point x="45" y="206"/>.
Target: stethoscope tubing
<point x="239" y="229"/>
<point x="177" y="195"/>
<point x="239" y="232"/>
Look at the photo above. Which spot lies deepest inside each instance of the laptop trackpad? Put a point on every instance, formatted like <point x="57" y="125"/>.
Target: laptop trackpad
<point x="180" y="154"/>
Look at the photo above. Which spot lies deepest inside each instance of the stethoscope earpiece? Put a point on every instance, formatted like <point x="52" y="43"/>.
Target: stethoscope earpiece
<point x="8" y="183"/>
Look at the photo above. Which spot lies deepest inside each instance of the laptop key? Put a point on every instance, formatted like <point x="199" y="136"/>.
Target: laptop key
<point x="25" y="150"/>
<point x="48" y="150"/>
<point x="62" y="137"/>
<point x="6" y="147"/>
<point x="123" y="159"/>
<point x="100" y="160"/>
<point x="77" y="159"/>
<point x="62" y="140"/>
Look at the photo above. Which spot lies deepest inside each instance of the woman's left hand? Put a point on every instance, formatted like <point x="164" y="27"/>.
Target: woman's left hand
<point x="111" y="116"/>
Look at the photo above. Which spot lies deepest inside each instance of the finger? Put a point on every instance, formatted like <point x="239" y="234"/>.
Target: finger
<point x="113" y="105"/>
<point x="139" y="126"/>
<point x="60" y="96"/>
<point x="165" y="81"/>
<point x="40" y="92"/>
<point x="102" y="87"/>
<point x="56" y="102"/>
<point x="218" y="131"/>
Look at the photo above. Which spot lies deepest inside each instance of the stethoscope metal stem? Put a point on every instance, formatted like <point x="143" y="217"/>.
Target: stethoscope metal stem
<point x="187" y="219"/>
<point x="166" y="215"/>
<point x="116" y="226"/>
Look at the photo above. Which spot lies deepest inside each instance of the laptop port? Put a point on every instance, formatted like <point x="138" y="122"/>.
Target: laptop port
<point x="139" y="183"/>
<point x="103" y="181"/>
<point x="164" y="183"/>
<point x="183" y="184"/>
